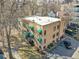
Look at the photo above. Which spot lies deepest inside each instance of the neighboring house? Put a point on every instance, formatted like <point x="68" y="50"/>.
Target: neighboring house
<point x="65" y="12"/>
<point x="42" y="30"/>
<point x="51" y="14"/>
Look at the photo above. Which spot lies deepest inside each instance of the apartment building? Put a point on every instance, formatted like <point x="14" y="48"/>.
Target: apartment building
<point x="75" y="11"/>
<point x="45" y="30"/>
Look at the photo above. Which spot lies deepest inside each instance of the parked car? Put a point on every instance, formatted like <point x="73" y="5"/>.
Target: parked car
<point x="2" y="54"/>
<point x="67" y="44"/>
<point x="70" y="32"/>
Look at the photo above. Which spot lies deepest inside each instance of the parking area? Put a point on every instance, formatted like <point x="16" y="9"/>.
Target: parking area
<point x="63" y="51"/>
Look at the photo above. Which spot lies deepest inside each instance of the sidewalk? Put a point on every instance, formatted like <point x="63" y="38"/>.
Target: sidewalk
<point x="76" y="54"/>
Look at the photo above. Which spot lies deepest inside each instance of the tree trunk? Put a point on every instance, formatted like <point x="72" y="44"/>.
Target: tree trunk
<point x="8" y="33"/>
<point x="9" y="48"/>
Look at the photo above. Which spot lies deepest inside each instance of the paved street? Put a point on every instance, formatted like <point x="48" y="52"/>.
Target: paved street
<point x="62" y="51"/>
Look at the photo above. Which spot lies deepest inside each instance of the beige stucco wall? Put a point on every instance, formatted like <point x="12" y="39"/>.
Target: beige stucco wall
<point x="50" y="32"/>
<point x="62" y="26"/>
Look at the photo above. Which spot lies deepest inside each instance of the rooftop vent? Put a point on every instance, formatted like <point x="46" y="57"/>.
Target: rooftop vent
<point x="33" y="20"/>
<point x="39" y="19"/>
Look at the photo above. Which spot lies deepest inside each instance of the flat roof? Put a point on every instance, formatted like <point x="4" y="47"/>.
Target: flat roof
<point x="42" y="20"/>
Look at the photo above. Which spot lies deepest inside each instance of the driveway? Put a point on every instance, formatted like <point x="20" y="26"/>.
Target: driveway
<point x="62" y="51"/>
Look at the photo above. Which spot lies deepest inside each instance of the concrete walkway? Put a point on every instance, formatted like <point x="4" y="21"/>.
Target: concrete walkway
<point x="76" y="54"/>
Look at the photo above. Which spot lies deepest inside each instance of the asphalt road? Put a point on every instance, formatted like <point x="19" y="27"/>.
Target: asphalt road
<point x="62" y="51"/>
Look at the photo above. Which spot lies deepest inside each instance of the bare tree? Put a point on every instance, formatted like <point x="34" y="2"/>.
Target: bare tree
<point x="9" y="11"/>
<point x="12" y="9"/>
<point x="8" y="14"/>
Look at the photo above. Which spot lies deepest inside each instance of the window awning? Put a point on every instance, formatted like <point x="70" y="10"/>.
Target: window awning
<point x="39" y="31"/>
<point x="40" y="39"/>
<point x="31" y="27"/>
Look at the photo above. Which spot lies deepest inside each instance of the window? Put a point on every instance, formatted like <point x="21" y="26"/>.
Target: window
<point x="54" y="36"/>
<point x="44" y="47"/>
<point x="53" y="41"/>
<point x="32" y="43"/>
<point x="44" y="32"/>
<point x="58" y="27"/>
<point x="57" y="33"/>
<point x="40" y="47"/>
<point x="44" y="40"/>
<point x="54" y="28"/>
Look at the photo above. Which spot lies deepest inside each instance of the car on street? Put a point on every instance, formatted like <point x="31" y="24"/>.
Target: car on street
<point x="67" y="44"/>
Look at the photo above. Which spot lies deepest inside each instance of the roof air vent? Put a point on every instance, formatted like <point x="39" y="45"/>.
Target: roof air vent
<point x="39" y="19"/>
<point x="33" y="20"/>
